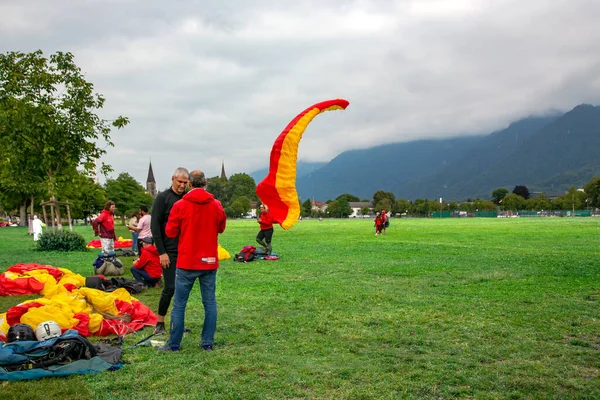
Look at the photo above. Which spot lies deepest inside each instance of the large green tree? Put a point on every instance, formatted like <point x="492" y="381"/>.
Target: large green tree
<point x="128" y="195"/>
<point x="84" y="196"/>
<point x="498" y="195"/>
<point x="48" y="122"/>
<point x="592" y="190"/>
<point x="383" y="200"/>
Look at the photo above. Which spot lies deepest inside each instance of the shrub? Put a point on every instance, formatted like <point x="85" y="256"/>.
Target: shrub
<point x="61" y="241"/>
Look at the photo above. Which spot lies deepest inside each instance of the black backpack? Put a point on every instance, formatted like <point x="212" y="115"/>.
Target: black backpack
<point x="62" y="350"/>
<point x="248" y="253"/>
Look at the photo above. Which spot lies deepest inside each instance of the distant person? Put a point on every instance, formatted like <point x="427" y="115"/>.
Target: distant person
<point x="104" y="226"/>
<point x="132" y="225"/>
<point x="37" y="227"/>
<point x="197" y="220"/>
<point x="384" y="220"/>
<point x="147" y="269"/>
<point x="265" y="219"/>
<point x="378" y="224"/>
<point x="143" y="227"/>
<point x="167" y="247"/>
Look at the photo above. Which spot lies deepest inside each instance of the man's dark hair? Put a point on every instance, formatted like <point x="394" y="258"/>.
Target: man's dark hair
<point x="197" y="179"/>
<point x="144" y="209"/>
<point x="108" y="204"/>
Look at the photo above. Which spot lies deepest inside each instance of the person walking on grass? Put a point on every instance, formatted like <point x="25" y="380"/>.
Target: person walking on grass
<point x="132" y="225"/>
<point x="37" y="227"/>
<point x="104" y="226"/>
<point x="197" y="220"/>
<point x="143" y="227"/>
<point x="167" y="247"/>
<point x="147" y="269"/>
<point x="265" y="219"/>
<point x="378" y="224"/>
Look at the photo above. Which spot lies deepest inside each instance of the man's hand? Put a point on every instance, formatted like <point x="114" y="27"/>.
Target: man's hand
<point x="164" y="261"/>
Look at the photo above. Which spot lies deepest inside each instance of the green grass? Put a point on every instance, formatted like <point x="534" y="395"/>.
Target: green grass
<point x="450" y="308"/>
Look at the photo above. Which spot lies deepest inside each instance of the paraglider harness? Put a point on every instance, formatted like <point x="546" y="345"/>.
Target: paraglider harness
<point x="61" y="350"/>
<point x="251" y="253"/>
<point x="110" y="285"/>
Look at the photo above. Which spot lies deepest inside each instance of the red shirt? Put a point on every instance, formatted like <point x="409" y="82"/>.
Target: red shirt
<point x="265" y="220"/>
<point x="150" y="262"/>
<point x="106" y="223"/>
<point x="197" y="219"/>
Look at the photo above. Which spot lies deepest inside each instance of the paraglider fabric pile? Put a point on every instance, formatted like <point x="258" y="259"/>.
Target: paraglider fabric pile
<point x="66" y="301"/>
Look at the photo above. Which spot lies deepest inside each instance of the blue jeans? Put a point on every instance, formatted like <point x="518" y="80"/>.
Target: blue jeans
<point x="141" y="275"/>
<point x="134" y="241"/>
<point x="184" y="282"/>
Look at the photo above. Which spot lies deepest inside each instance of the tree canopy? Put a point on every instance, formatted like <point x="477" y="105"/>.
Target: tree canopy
<point x="48" y="123"/>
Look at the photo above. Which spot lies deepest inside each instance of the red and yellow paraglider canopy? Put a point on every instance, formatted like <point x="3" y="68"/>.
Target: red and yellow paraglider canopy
<point x="278" y="189"/>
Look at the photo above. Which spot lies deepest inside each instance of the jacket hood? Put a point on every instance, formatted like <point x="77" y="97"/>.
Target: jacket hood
<point x="152" y="249"/>
<point x="199" y="195"/>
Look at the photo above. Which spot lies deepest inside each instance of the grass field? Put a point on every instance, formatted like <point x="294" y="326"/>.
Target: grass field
<point x="450" y="308"/>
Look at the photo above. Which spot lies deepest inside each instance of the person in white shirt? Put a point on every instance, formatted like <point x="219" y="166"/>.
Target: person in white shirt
<point x="37" y="228"/>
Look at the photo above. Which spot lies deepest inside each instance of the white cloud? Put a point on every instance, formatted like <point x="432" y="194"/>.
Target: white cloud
<point x="215" y="80"/>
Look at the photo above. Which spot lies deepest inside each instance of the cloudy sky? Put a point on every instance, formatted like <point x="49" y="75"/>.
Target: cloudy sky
<point x="217" y="80"/>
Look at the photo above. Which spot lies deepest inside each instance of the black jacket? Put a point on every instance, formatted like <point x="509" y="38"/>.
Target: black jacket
<point x="160" y="215"/>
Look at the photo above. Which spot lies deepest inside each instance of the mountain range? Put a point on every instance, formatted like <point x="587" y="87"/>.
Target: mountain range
<point x="545" y="153"/>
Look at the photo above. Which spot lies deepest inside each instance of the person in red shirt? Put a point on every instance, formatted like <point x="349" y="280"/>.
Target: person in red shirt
<point x="197" y="219"/>
<point x="147" y="269"/>
<point x="384" y="223"/>
<point x="104" y="226"/>
<point x="265" y="219"/>
<point x="378" y="224"/>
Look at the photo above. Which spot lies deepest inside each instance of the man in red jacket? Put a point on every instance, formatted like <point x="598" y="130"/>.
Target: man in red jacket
<point x="265" y="219"/>
<point x="104" y="226"/>
<point x="147" y="269"/>
<point x="197" y="219"/>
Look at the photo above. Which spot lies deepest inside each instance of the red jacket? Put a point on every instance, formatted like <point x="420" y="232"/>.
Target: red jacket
<point x="197" y="219"/>
<point x="106" y="223"/>
<point x="265" y="220"/>
<point x="150" y="262"/>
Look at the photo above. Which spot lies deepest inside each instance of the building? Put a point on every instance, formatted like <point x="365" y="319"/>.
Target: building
<point x="223" y="176"/>
<point x="357" y="206"/>
<point x="151" y="182"/>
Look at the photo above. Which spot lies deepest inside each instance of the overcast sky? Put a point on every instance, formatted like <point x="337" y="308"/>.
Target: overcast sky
<point x="216" y="80"/>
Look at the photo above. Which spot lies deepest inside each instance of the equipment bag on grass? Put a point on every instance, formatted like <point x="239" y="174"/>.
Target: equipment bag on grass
<point x="248" y="253"/>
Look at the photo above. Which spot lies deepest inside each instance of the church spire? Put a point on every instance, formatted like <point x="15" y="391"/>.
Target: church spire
<point x="151" y="182"/>
<point x="223" y="176"/>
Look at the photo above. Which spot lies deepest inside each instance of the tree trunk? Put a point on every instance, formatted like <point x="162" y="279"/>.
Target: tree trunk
<point x="23" y="213"/>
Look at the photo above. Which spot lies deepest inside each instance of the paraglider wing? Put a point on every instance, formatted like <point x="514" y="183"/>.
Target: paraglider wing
<point x="278" y="189"/>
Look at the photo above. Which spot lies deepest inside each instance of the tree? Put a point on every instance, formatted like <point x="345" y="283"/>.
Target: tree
<point x="513" y="202"/>
<point x="239" y="207"/>
<point x="498" y="195"/>
<point x="572" y="200"/>
<point x="306" y="208"/>
<point x="85" y="196"/>
<point x="240" y="185"/>
<point x="365" y="210"/>
<point x="592" y="190"/>
<point x="216" y="186"/>
<point x="383" y="200"/>
<point x="521" y="191"/>
<point x="401" y="206"/>
<point x="128" y="195"/>
<point x="48" y="121"/>
<point x="348" y="197"/>
<point x="339" y="209"/>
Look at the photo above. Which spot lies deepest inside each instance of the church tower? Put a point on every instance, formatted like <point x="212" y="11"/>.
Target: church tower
<point x="223" y="176"/>
<point x="151" y="182"/>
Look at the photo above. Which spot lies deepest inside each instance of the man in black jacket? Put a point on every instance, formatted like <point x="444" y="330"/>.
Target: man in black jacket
<point x="167" y="248"/>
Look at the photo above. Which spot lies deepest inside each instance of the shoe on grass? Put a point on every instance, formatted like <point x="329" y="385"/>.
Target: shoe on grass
<point x="160" y="328"/>
<point x="206" y="347"/>
<point x="168" y="348"/>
